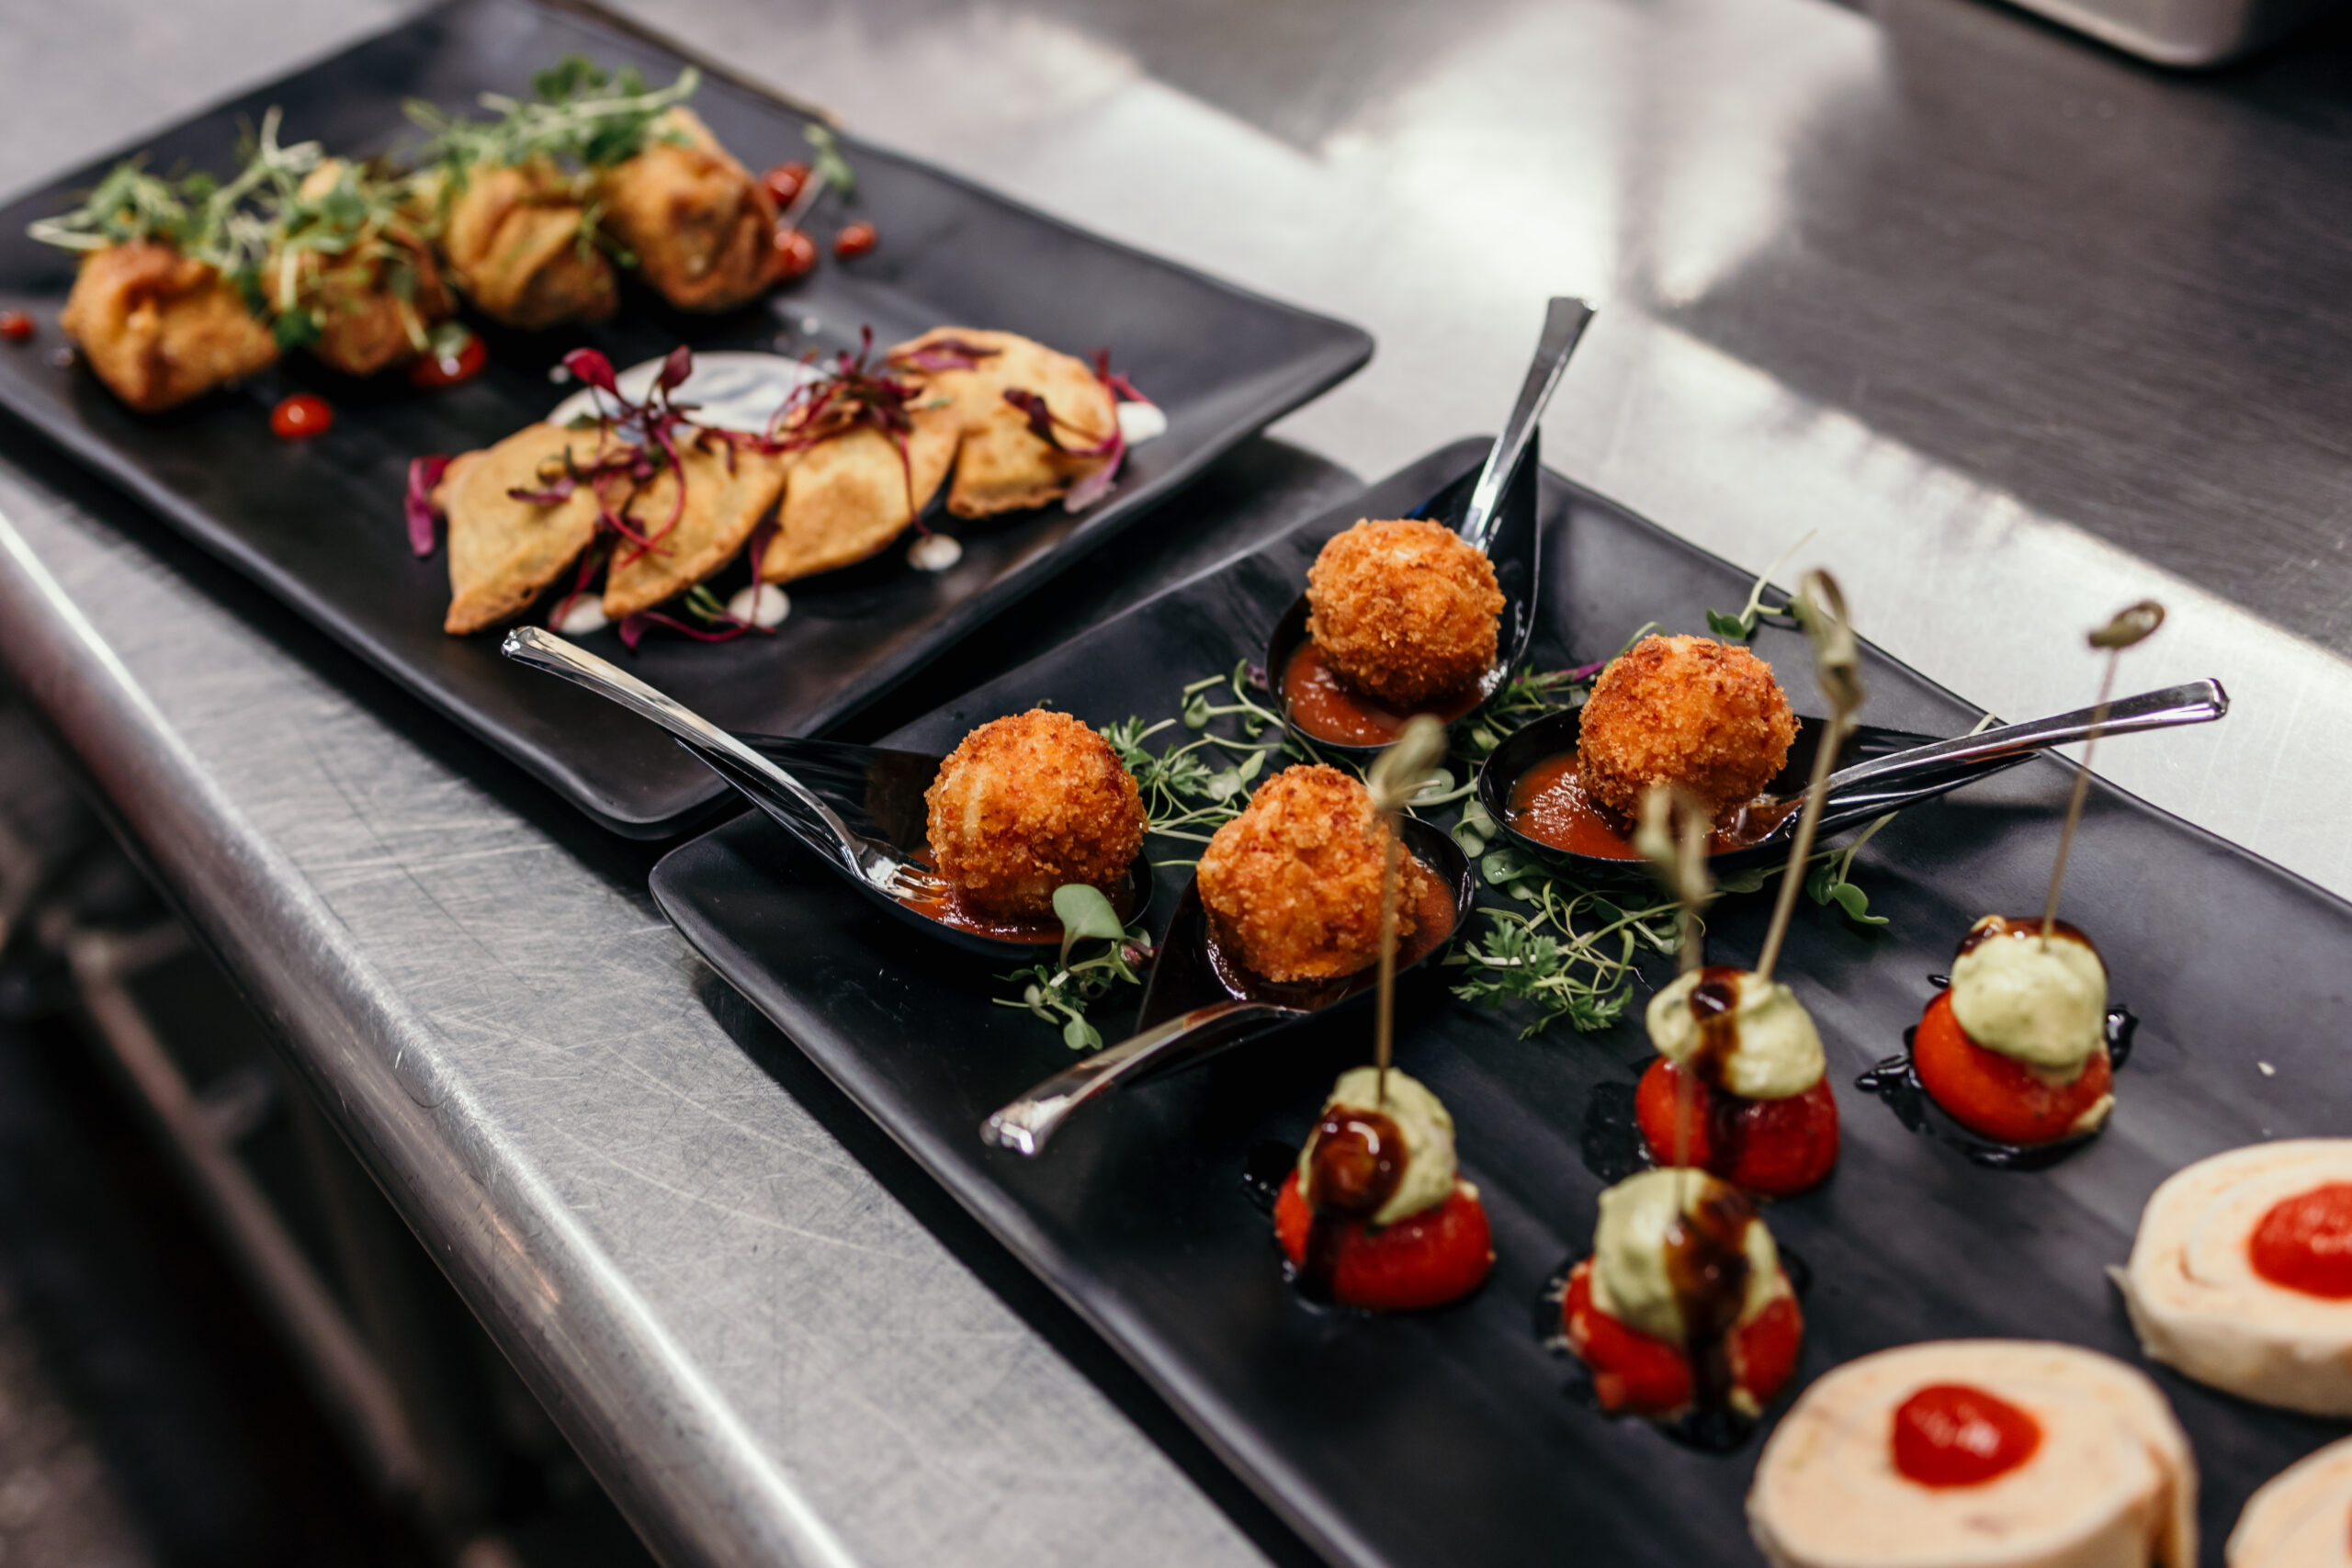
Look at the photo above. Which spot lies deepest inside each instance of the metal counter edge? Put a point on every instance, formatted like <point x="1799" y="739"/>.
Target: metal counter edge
<point x="683" y="1470"/>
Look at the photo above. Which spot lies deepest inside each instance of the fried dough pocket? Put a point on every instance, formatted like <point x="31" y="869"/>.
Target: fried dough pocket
<point x="159" y="328"/>
<point x="516" y="247"/>
<point x="700" y="225"/>
<point x="849" y="496"/>
<point x="503" y="552"/>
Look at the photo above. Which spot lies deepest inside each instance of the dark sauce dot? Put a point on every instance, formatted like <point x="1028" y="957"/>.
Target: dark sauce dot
<point x="1939" y="982"/>
<point x="2123" y="1023"/>
<point x="1612" y="1144"/>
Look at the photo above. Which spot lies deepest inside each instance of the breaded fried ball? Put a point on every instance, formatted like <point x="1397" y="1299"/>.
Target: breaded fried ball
<point x="1404" y="611"/>
<point x="1294" y="882"/>
<point x="1028" y="803"/>
<point x="1684" y="710"/>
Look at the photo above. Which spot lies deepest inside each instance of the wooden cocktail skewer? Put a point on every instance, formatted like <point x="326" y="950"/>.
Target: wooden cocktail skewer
<point x="1397" y="775"/>
<point x="1837" y="671"/>
<point x="1672" y="837"/>
<point x="2130" y="626"/>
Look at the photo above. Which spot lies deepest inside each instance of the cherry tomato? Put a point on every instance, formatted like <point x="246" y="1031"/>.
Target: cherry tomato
<point x="784" y="182"/>
<point x="15" y="326"/>
<point x="795" y="253"/>
<point x="1991" y="1095"/>
<point x="448" y="370"/>
<point x="1423" y="1260"/>
<point x="1640" y="1374"/>
<point x="1949" y="1433"/>
<point x="1773" y="1147"/>
<point x="855" y="240"/>
<point x="2305" y="1242"/>
<point x="301" y="416"/>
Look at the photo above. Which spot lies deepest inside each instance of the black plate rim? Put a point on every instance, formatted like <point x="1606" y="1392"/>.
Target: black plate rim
<point x="1349" y="349"/>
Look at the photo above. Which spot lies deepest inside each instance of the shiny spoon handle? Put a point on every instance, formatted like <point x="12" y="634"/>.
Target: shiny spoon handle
<point x="1024" y="1126"/>
<point x="2198" y="702"/>
<point x="1564" y="323"/>
<point x="542" y="649"/>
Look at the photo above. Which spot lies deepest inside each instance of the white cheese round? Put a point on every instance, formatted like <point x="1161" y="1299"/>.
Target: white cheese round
<point x="1427" y="1130"/>
<point x="2112" y="1483"/>
<point x="584" y="616"/>
<point x="2041" y="1003"/>
<point x="2300" y="1518"/>
<point x="2197" y="1302"/>
<point x="1139" y="423"/>
<point x="1779" y="1051"/>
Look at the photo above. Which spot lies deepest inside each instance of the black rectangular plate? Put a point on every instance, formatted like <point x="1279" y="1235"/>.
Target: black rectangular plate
<point x="1452" y="1437"/>
<point x="319" y="524"/>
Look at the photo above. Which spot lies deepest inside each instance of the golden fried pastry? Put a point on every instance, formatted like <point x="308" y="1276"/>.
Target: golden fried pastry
<point x="372" y="298"/>
<point x="851" y="495"/>
<point x="1027" y="804"/>
<point x="159" y="328"/>
<point x="503" y="551"/>
<point x="1686" y="711"/>
<point x="516" y="247"/>
<point x="701" y="226"/>
<point x="726" y="494"/>
<point x="1292" y="884"/>
<point x="847" y="498"/>
<point x="1404" y="611"/>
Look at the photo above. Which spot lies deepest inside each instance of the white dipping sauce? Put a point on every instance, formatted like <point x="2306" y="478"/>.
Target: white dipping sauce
<point x="586" y="616"/>
<point x="934" y="552"/>
<point x="768" y="609"/>
<point x="731" y="390"/>
<point x="1139" y="423"/>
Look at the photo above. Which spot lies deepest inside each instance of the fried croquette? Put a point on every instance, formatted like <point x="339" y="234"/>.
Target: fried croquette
<point x="161" y="328"/>
<point x="1292" y="884"/>
<point x="1404" y="611"/>
<point x="1687" y="711"/>
<point x="1027" y="804"/>
<point x="516" y="247"/>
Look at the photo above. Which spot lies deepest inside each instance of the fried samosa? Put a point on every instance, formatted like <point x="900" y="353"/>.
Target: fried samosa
<point x="726" y="494"/>
<point x="159" y="328"/>
<point x="504" y="552"/>
<point x="701" y="227"/>
<point x="517" y="247"/>
<point x="848" y="497"/>
<point x="350" y="277"/>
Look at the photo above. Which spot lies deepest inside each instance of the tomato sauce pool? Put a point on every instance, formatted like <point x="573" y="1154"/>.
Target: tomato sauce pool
<point x="1550" y="805"/>
<point x="1327" y="710"/>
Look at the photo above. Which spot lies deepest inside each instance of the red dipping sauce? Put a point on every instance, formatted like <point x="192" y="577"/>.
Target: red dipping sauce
<point x="448" y="370"/>
<point x="300" y="417"/>
<point x="1550" y="805"/>
<point x="2305" y="1242"/>
<point x="1328" y="710"/>
<point x="1950" y="1434"/>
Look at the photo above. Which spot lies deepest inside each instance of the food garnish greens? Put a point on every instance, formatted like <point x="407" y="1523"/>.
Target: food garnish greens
<point x="1059" y="992"/>
<point x="579" y="115"/>
<point x="1740" y="627"/>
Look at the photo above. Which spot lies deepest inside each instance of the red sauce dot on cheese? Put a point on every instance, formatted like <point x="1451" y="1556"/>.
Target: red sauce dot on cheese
<point x="2305" y="1242"/>
<point x="1949" y="1433"/>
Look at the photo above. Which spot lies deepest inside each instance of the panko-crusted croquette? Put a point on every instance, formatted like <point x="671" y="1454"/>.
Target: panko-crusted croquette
<point x="1404" y="611"/>
<point x="1293" y="882"/>
<point x="1028" y="803"/>
<point x="1687" y="711"/>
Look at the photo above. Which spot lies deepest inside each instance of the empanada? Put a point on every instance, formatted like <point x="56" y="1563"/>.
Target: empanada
<point x="724" y="502"/>
<point x="504" y="552"/>
<point x="516" y="247"/>
<point x="701" y="227"/>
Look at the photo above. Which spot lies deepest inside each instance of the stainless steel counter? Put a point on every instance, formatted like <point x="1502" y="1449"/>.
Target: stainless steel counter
<point x="2020" y="331"/>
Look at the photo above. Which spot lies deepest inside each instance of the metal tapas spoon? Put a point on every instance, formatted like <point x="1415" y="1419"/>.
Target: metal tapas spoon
<point x="861" y="808"/>
<point x="1200" y="1001"/>
<point x="1883" y="770"/>
<point x="1495" y="510"/>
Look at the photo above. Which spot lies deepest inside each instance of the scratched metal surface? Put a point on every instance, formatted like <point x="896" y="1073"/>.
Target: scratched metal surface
<point x="2021" y="331"/>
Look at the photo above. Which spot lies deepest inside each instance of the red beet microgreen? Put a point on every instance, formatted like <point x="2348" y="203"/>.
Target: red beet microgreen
<point x="424" y="473"/>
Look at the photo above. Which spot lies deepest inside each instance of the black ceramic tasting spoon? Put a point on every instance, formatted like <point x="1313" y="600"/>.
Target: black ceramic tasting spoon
<point x="1200" y="1001"/>
<point x="1496" y="511"/>
<point x="859" y="807"/>
<point x="1879" y="771"/>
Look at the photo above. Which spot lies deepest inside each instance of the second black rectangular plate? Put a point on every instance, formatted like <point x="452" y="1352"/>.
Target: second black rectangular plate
<point x="1453" y="1438"/>
<point x="319" y="523"/>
